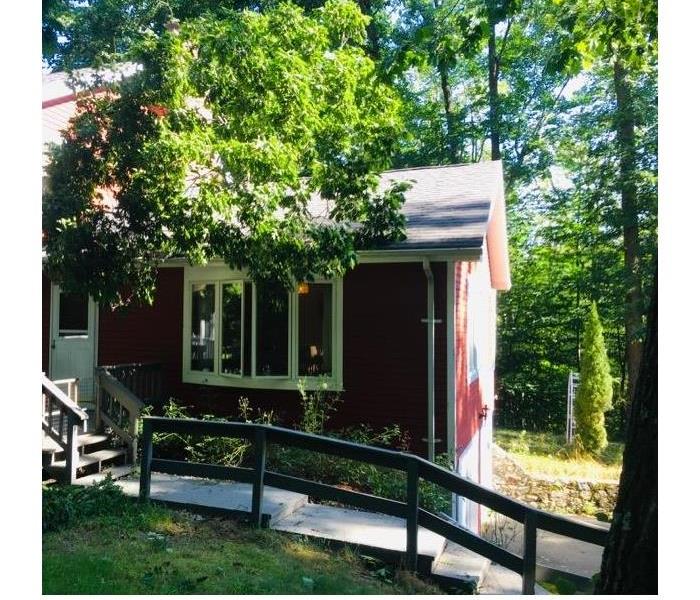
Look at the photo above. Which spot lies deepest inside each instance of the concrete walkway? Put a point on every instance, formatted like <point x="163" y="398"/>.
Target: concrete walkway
<point x="556" y="551"/>
<point x="358" y="527"/>
<point x="227" y="496"/>
<point x="371" y="532"/>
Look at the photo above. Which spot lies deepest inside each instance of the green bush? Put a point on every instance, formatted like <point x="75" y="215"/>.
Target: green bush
<point x="595" y="390"/>
<point x="316" y="405"/>
<point x="332" y="470"/>
<point x="227" y="451"/>
<point x="63" y="505"/>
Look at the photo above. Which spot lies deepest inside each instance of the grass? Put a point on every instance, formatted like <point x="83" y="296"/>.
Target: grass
<point x="547" y="454"/>
<point x="153" y="550"/>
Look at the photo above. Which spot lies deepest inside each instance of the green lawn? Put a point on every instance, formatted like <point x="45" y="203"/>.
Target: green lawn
<point x="547" y="454"/>
<point x="152" y="550"/>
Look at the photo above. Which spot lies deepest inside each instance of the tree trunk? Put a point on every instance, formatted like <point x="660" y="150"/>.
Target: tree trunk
<point x="630" y="559"/>
<point x="373" y="50"/>
<point x="494" y="122"/>
<point x="449" y="115"/>
<point x="447" y="105"/>
<point x="628" y="193"/>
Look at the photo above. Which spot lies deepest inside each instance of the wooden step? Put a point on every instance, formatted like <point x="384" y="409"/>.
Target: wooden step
<point x="92" y="458"/>
<point x="49" y="445"/>
<point x="115" y="472"/>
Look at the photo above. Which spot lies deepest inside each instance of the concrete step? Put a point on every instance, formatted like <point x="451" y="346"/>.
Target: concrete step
<point x="373" y="533"/>
<point x="503" y="582"/>
<point x="460" y="567"/>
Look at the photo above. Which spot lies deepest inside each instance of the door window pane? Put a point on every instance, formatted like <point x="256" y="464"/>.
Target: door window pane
<point x="203" y="313"/>
<point x="272" y="331"/>
<point x="315" y="329"/>
<point x="72" y="314"/>
<point x="231" y="327"/>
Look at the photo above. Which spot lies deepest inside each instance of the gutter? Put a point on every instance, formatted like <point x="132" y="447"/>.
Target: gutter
<point x="430" y="320"/>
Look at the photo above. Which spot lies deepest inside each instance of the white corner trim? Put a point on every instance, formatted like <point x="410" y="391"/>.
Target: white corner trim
<point x="451" y="384"/>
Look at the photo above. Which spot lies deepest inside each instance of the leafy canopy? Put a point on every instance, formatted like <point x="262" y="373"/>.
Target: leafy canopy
<point x="219" y="146"/>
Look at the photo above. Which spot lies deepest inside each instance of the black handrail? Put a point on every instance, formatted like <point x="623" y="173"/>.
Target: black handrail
<point x="416" y="468"/>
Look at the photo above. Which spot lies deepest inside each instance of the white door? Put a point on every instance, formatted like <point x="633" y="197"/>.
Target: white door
<point x="73" y="343"/>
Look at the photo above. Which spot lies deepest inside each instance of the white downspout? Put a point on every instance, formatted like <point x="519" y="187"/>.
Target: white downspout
<point x="430" y="320"/>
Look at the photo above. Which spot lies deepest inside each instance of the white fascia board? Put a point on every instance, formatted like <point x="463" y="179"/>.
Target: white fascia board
<point x="375" y="256"/>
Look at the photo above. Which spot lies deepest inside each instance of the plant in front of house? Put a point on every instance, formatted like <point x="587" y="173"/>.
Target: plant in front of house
<point x="595" y="391"/>
<point x="228" y="451"/>
<point x="317" y="404"/>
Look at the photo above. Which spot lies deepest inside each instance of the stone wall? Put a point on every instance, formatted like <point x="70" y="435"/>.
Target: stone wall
<point x="552" y="494"/>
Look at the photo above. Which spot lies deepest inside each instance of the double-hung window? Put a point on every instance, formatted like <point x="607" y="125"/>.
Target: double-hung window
<point x="240" y="334"/>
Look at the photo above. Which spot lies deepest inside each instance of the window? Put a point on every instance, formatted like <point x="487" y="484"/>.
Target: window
<point x="315" y="329"/>
<point x="232" y="328"/>
<point x="472" y="338"/>
<point x="72" y="314"/>
<point x="272" y="332"/>
<point x="240" y="334"/>
<point x="203" y="328"/>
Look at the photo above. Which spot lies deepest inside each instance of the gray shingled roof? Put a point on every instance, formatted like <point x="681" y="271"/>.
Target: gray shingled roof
<point x="446" y="207"/>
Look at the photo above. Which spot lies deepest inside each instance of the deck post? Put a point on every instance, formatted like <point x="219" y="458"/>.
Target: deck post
<point x="258" y="476"/>
<point x="411" y="515"/>
<point x="146" y="457"/>
<point x="529" y="553"/>
<point x="98" y="400"/>
<point x="72" y="455"/>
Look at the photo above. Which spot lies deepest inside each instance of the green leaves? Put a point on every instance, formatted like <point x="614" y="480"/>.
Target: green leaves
<point x="227" y="143"/>
<point x="595" y="391"/>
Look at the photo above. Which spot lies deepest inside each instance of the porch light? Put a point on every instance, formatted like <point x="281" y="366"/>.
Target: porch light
<point x="303" y="288"/>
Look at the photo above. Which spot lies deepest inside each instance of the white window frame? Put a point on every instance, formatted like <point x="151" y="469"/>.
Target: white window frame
<point x="221" y="275"/>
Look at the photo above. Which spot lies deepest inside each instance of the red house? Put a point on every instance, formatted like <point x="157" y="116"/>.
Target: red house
<point x="407" y="337"/>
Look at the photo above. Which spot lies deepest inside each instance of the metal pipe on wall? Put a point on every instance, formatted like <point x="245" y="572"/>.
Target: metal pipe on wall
<point x="430" y="320"/>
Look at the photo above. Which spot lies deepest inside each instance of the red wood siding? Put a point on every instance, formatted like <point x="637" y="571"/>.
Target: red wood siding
<point x="467" y="394"/>
<point x="147" y="334"/>
<point x="384" y="355"/>
<point x="385" y="349"/>
<point x="45" y="322"/>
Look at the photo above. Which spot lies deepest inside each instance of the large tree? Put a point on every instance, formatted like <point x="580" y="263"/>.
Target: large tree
<point x="218" y="146"/>
<point x="630" y="559"/>
<point x="622" y="35"/>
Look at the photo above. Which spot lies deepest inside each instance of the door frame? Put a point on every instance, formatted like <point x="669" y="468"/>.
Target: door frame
<point x="53" y="326"/>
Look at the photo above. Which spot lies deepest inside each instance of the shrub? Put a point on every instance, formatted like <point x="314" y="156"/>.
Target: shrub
<point x="595" y="390"/>
<point x="65" y="505"/>
<point x="316" y="405"/>
<point x="228" y="451"/>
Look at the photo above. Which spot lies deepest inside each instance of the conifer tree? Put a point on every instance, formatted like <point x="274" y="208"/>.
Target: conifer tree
<point x="594" y="395"/>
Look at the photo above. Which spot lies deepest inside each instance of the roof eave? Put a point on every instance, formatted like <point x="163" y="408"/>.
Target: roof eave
<point x="418" y="254"/>
<point x="379" y="256"/>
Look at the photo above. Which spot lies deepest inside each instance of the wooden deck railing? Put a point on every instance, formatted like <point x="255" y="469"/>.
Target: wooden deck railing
<point x="118" y="407"/>
<point x="416" y="468"/>
<point x="145" y="380"/>
<point x="70" y="387"/>
<point x="63" y="421"/>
